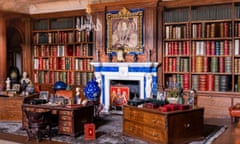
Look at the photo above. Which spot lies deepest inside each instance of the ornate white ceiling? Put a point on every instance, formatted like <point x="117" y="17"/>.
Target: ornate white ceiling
<point x="44" y="6"/>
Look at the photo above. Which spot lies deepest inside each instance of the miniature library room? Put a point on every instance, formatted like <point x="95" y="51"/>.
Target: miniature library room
<point x="120" y="71"/>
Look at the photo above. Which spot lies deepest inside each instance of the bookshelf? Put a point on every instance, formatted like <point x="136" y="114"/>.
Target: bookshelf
<point x="60" y="51"/>
<point x="201" y="48"/>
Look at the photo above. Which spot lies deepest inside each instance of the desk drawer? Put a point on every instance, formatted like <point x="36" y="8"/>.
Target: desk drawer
<point x="65" y="124"/>
<point x="65" y="118"/>
<point x="131" y="114"/>
<point x="69" y="113"/>
<point x="154" y="120"/>
<point x="154" y="134"/>
<point x="131" y="128"/>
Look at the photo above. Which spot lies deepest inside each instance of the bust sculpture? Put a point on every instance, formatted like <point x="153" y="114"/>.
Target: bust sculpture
<point x="25" y="81"/>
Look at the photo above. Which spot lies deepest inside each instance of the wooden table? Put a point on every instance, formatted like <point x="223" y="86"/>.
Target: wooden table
<point x="163" y="127"/>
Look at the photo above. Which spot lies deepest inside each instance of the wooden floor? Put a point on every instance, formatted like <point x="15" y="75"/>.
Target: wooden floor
<point x="230" y="136"/>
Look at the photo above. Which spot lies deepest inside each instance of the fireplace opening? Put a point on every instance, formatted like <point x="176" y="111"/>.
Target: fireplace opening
<point x="121" y="91"/>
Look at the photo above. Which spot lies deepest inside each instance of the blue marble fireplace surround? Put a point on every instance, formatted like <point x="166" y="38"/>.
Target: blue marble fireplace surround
<point x="145" y="73"/>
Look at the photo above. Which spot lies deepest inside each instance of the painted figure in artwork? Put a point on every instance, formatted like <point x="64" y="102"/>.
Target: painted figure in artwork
<point x="124" y="33"/>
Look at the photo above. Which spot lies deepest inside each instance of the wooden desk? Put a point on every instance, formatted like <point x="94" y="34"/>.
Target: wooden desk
<point x="163" y="127"/>
<point x="70" y="120"/>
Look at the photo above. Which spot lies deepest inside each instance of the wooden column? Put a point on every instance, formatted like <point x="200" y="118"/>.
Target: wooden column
<point x="3" y="51"/>
<point x="26" y="48"/>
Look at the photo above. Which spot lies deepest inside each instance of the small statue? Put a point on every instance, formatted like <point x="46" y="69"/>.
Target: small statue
<point x="77" y="99"/>
<point x="8" y="84"/>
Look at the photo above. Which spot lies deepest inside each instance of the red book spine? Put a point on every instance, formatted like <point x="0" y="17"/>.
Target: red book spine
<point x="188" y="48"/>
<point x="213" y="48"/>
<point x="208" y="48"/>
<point x="205" y="64"/>
<point x="193" y="64"/>
<point x="226" y="47"/>
<point x="186" y="81"/>
<point x="170" y="48"/>
<point x="221" y="64"/>
<point x="226" y="32"/>
<point x="175" y="50"/>
<point x="40" y="63"/>
<point x="203" y="82"/>
<point x="166" y="64"/>
<point x="199" y="30"/>
<point x="210" y="82"/>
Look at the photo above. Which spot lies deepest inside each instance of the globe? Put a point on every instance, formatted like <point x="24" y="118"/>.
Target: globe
<point x="59" y="85"/>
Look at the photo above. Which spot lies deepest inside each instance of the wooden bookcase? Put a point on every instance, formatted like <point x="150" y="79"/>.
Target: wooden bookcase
<point x="201" y="50"/>
<point x="60" y="51"/>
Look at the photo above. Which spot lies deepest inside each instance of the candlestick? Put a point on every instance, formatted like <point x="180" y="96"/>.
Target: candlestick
<point x="97" y="55"/>
<point x="149" y="55"/>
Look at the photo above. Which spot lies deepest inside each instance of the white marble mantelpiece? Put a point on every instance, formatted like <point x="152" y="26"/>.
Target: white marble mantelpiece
<point x="105" y="72"/>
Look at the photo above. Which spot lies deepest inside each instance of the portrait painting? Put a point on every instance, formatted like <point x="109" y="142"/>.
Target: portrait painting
<point x="119" y="95"/>
<point x="124" y="30"/>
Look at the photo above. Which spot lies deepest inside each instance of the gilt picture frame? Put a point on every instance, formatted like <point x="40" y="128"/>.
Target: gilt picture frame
<point x="125" y="30"/>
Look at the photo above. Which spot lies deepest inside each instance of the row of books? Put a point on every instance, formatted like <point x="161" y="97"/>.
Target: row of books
<point x="212" y="48"/>
<point x="213" y="12"/>
<point x="72" y="78"/>
<point x="62" y="37"/>
<point x="176" y="32"/>
<point x="211" y="82"/>
<point x="212" y="64"/>
<point x="63" y="50"/>
<point x="178" y="80"/>
<point x="200" y="13"/>
<point x="176" y="64"/>
<point x="177" y="48"/>
<point x="62" y="63"/>
<point x="211" y="30"/>
<point x="208" y="82"/>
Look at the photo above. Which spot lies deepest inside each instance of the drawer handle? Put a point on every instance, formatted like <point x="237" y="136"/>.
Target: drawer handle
<point x="154" y="121"/>
<point x="187" y="125"/>
<point x="154" y="134"/>
<point x="131" y="128"/>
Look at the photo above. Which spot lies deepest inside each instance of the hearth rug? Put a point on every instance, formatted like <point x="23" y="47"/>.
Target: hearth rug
<point x="109" y="131"/>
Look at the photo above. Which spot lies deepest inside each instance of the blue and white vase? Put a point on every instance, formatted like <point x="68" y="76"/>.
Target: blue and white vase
<point x="92" y="90"/>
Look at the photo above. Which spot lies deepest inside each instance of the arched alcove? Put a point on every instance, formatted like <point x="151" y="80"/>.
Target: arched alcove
<point x="14" y="50"/>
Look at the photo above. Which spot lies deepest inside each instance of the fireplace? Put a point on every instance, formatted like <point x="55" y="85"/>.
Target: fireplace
<point x="143" y="74"/>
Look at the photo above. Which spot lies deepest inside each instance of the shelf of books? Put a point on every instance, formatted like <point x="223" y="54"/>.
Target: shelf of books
<point x="201" y="48"/>
<point x="61" y="52"/>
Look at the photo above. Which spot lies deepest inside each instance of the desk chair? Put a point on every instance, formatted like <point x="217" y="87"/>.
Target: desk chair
<point x="39" y="124"/>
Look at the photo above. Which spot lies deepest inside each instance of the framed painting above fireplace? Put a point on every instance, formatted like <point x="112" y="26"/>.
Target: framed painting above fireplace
<point x="125" y="31"/>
